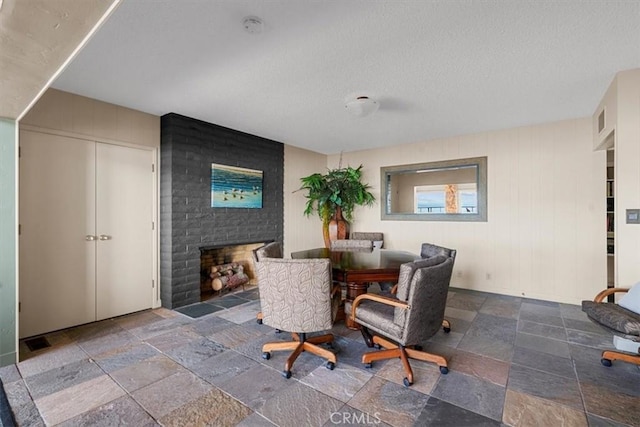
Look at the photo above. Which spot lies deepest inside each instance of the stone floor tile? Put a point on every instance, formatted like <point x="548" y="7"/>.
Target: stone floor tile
<point x="392" y="403"/>
<point x="452" y="339"/>
<point x="119" y="412"/>
<point x="256" y="385"/>
<point x="299" y="405"/>
<point x="596" y="421"/>
<point x="350" y="352"/>
<point x="170" y="393"/>
<point x="486" y="368"/>
<point x="255" y="420"/>
<point x="24" y="410"/>
<point x="542" y="330"/>
<point x="589" y="339"/>
<point x="586" y="326"/>
<point x="63" y="377"/>
<point x="77" y="399"/>
<point x="438" y="413"/>
<point x="544" y="362"/>
<point x="425" y="375"/>
<point x="176" y="338"/>
<point x="521" y="409"/>
<point x="471" y="393"/>
<point x="227" y="301"/>
<point x="137" y="320"/>
<point x="102" y="344"/>
<point x="209" y="325"/>
<point x="9" y="374"/>
<point x="457" y="313"/>
<point x="546" y="308"/>
<point x="195" y="352"/>
<point x="94" y="330"/>
<point x="215" y="408"/>
<point x="508" y="307"/>
<point x="145" y="372"/>
<point x="235" y="336"/>
<point x="534" y="316"/>
<point x="342" y="383"/>
<point x="51" y="358"/>
<point x="543" y="344"/>
<point x="483" y="344"/>
<point x="562" y="390"/>
<point x="618" y="406"/>
<point x="572" y="311"/>
<point x="241" y="313"/>
<point x="470" y="302"/>
<point x="621" y="377"/>
<point x="122" y="357"/>
<point x="165" y="325"/>
<point x="223" y="367"/>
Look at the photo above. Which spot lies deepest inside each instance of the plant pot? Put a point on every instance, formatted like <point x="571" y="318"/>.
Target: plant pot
<point x="338" y="228"/>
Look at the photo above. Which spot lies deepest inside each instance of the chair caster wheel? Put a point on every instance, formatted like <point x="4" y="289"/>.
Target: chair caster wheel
<point x="446" y="330"/>
<point x="259" y="321"/>
<point x="331" y="366"/>
<point x="406" y="382"/>
<point x="605" y="362"/>
<point x="286" y="374"/>
<point x="368" y="365"/>
<point x="278" y="331"/>
<point x="444" y="370"/>
<point x="266" y="355"/>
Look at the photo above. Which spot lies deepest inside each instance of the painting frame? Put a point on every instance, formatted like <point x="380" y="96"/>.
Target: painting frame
<point x="236" y="187"/>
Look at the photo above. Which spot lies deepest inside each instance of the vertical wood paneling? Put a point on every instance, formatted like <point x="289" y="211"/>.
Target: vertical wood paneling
<point x="537" y="239"/>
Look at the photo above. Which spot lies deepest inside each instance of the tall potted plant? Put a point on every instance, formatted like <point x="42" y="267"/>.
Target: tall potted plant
<point x="333" y="196"/>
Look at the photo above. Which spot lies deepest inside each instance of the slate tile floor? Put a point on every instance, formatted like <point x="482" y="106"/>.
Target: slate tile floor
<point x="513" y="361"/>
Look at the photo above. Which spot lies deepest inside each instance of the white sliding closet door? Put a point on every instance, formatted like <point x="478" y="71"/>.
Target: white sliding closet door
<point x="124" y="218"/>
<point x="57" y="213"/>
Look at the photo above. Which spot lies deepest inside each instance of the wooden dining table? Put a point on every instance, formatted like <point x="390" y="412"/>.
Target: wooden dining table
<point x="357" y="268"/>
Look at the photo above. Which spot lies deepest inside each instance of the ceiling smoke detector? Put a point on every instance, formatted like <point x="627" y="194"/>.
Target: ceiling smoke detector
<point x="362" y="106"/>
<point x="252" y="24"/>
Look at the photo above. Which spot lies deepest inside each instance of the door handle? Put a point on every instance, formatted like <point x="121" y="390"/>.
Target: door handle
<point x="105" y="237"/>
<point x="90" y="238"/>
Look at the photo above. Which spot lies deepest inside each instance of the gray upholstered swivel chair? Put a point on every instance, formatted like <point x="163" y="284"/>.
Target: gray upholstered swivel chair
<point x="376" y="237"/>
<point x="296" y="295"/>
<point x="624" y="324"/>
<point x="351" y="244"/>
<point x="270" y="250"/>
<point x="428" y="250"/>
<point x="400" y="324"/>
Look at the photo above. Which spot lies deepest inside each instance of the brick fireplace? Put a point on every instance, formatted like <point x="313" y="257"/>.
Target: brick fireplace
<point x="214" y="256"/>
<point x="188" y="222"/>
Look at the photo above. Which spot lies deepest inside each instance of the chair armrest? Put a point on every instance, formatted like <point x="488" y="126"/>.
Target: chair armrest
<point x="378" y="298"/>
<point x="602" y="295"/>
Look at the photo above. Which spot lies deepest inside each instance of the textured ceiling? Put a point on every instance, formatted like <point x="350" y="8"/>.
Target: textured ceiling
<point x="36" y="38"/>
<point x="437" y="68"/>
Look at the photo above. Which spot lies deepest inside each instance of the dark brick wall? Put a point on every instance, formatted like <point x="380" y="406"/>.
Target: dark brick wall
<point x="188" y="222"/>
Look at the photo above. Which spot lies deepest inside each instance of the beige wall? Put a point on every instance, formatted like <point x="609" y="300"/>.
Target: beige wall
<point x="544" y="237"/>
<point x="627" y="177"/>
<point x="96" y="120"/>
<point x="300" y="232"/>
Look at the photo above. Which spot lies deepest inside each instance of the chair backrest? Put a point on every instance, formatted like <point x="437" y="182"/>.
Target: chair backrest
<point x="424" y="285"/>
<point x="349" y="244"/>
<point x="429" y="250"/>
<point x="376" y="237"/>
<point x="295" y="294"/>
<point x="270" y="250"/>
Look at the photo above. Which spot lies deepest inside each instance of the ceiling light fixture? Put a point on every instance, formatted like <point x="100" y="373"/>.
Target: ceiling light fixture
<point x="362" y="106"/>
<point x="252" y="24"/>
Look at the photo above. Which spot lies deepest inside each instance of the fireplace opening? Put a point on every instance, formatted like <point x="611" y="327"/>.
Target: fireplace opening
<point x="227" y="268"/>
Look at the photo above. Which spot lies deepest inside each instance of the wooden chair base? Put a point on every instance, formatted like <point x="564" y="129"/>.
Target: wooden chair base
<point x="609" y="356"/>
<point x="392" y="351"/>
<point x="301" y="344"/>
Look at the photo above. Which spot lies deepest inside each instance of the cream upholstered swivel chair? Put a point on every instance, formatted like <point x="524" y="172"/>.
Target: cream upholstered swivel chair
<point x="296" y="295"/>
<point x="400" y="324"/>
<point x="270" y="250"/>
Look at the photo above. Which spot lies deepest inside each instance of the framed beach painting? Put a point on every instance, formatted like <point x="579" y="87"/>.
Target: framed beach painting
<point x="235" y="187"/>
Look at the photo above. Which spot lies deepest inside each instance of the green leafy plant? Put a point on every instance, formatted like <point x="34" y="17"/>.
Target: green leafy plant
<point x="338" y="189"/>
